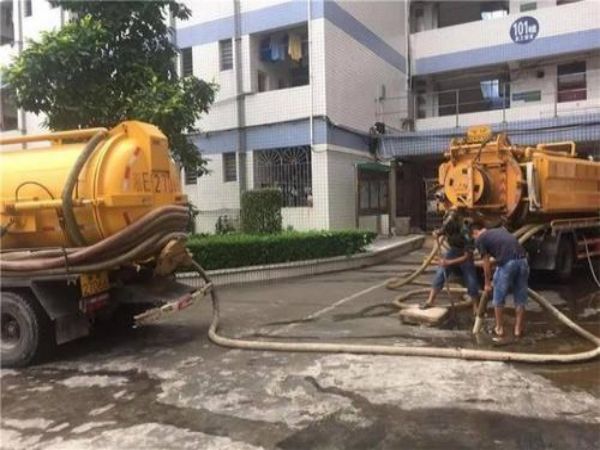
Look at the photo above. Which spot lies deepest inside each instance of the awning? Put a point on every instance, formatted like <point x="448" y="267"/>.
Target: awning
<point x="373" y="167"/>
<point x="578" y="128"/>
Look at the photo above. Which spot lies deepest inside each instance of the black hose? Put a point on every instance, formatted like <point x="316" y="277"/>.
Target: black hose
<point x="71" y="225"/>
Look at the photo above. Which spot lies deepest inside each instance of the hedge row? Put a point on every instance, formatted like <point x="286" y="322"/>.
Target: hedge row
<point x="239" y="250"/>
<point x="261" y="211"/>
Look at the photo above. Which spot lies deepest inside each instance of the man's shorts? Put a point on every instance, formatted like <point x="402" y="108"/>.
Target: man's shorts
<point x="511" y="276"/>
<point x="466" y="269"/>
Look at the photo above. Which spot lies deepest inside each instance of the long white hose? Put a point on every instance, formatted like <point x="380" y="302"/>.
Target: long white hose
<point x="439" y="352"/>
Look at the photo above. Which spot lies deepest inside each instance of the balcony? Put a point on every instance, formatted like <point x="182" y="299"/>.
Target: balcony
<point x="559" y="30"/>
<point x="496" y="100"/>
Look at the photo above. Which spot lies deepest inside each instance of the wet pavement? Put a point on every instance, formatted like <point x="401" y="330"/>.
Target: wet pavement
<point x="166" y="386"/>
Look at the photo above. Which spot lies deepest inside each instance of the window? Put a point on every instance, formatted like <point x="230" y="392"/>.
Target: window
<point x="262" y="81"/>
<point x="191" y="176"/>
<point x="288" y="169"/>
<point x="27" y="8"/>
<point x="8" y="111"/>
<point x="493" y="10"/>
<point x="528" y="6"/>
<point x="571" y="82"/>
<point x="226" y="54"/>
<point x="7" y="30"/>
<point x="283" y="57"/>
<point x="373" y="192"/>
<point x="229" y="167"/>
<point x="187" y="63"/>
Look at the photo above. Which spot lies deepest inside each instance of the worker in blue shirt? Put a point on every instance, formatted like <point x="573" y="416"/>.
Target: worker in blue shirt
<point x="511" y="274"/>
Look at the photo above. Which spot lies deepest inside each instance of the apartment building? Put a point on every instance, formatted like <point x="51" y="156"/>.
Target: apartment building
<point x="527" y="67"/>
<point x="21" y="20"/>
<point x="297" y="82"/>
<point x="305" y="85"/>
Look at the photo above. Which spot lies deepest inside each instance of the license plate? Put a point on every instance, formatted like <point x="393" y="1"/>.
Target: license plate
<point x="94" y="283"/>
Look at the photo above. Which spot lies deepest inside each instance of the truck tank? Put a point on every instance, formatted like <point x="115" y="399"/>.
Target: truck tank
<point x="128" y="174"/>
<point x="485" y="175"/>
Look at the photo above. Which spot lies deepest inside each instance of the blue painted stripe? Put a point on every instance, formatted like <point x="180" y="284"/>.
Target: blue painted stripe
<point x="288" y="14"/>
<point x="579" y="128"/>
<point x="282" y="134"/>
<point x="281" y="15"/>
<point x="502" y="53"/>
<point x="342" y="19"/>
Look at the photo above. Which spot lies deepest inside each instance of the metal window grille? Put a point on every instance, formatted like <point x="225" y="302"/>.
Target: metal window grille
<point x="288" y="169"/>
<point x="229" y="167"/>
<point x="187" y="62"/>
<point x="27" y="8"/>
<point x="226" y="54"/>
<point x="191" y="176"/>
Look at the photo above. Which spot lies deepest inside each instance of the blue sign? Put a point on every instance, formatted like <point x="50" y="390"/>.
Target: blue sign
<point x="524" y="30"/>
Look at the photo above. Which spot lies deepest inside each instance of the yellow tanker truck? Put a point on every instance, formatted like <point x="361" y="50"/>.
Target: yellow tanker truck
<point x="486" y="177"/>
<point x="91" y="222"/>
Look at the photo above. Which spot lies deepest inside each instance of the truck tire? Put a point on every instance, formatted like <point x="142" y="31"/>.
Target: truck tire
<point x="26" y="331"/>
<point x="565" y="259"/>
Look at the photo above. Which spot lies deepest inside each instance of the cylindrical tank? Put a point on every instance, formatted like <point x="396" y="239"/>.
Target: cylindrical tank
<point x="488" y="176"/>
<point x="129" y="173"/>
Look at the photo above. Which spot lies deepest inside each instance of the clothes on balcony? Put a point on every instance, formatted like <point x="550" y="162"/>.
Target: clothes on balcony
<point x="295" y="47"/>
<point x="274" y="50"/>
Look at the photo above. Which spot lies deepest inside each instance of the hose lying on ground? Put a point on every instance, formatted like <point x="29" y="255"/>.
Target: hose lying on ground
<point x="439" y="352"/>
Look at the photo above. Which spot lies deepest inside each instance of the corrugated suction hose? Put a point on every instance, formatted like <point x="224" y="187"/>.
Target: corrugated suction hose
<point x="71" y="227"/>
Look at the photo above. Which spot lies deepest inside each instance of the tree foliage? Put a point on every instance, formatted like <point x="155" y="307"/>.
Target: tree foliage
<point x="113" y="61"/>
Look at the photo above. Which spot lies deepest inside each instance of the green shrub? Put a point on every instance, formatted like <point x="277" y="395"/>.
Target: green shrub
<point x="261" y="211"/>
<point x="239" y="250"/>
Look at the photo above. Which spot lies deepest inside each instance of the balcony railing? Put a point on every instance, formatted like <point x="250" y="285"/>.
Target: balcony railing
<point x="496" y="101"/>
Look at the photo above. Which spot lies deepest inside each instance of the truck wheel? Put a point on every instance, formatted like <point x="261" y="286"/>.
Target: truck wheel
<point x="565" y="259"/>
<point x="26" y="330"/>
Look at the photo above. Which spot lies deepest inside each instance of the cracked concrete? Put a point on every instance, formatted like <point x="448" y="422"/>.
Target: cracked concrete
<point x="166" y="387"/>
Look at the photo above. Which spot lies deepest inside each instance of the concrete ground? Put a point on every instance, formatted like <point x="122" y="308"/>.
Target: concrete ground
<point x="166" y="386"/>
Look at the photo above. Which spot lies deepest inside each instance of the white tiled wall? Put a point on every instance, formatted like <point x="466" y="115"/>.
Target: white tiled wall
<point x="342" y="187"/>
<point x="563" y="19"/>
<point x="212" y="196"/>
<point x="354" y="75"/>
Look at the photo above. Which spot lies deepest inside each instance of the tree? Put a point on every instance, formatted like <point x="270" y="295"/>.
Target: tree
<point x="113" y="61"/>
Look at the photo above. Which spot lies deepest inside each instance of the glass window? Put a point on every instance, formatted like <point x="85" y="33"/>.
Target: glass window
<point x="493" y="10"/>
<point x="8" y="110"/>
<point x="528" y="6"/>
<point x="187" y="62"/>
<point x="191" y="176"/>
<point x="262" y="81"/>
<point x="226" y="54"/>
<point x="7" y="29"/>
<point x="27" y="8"/>
<point x="373" y="192"/>
<point x="571" y="82"/>
<point x="229" y="167"/>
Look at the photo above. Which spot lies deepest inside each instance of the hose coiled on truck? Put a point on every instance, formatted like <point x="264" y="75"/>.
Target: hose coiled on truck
<point x="138" y="241"/>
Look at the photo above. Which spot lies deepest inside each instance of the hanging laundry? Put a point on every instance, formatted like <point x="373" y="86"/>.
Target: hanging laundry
<point x="265" y="49"/>
<point x="295" y="47"/>
<point x="275" y="48"/>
